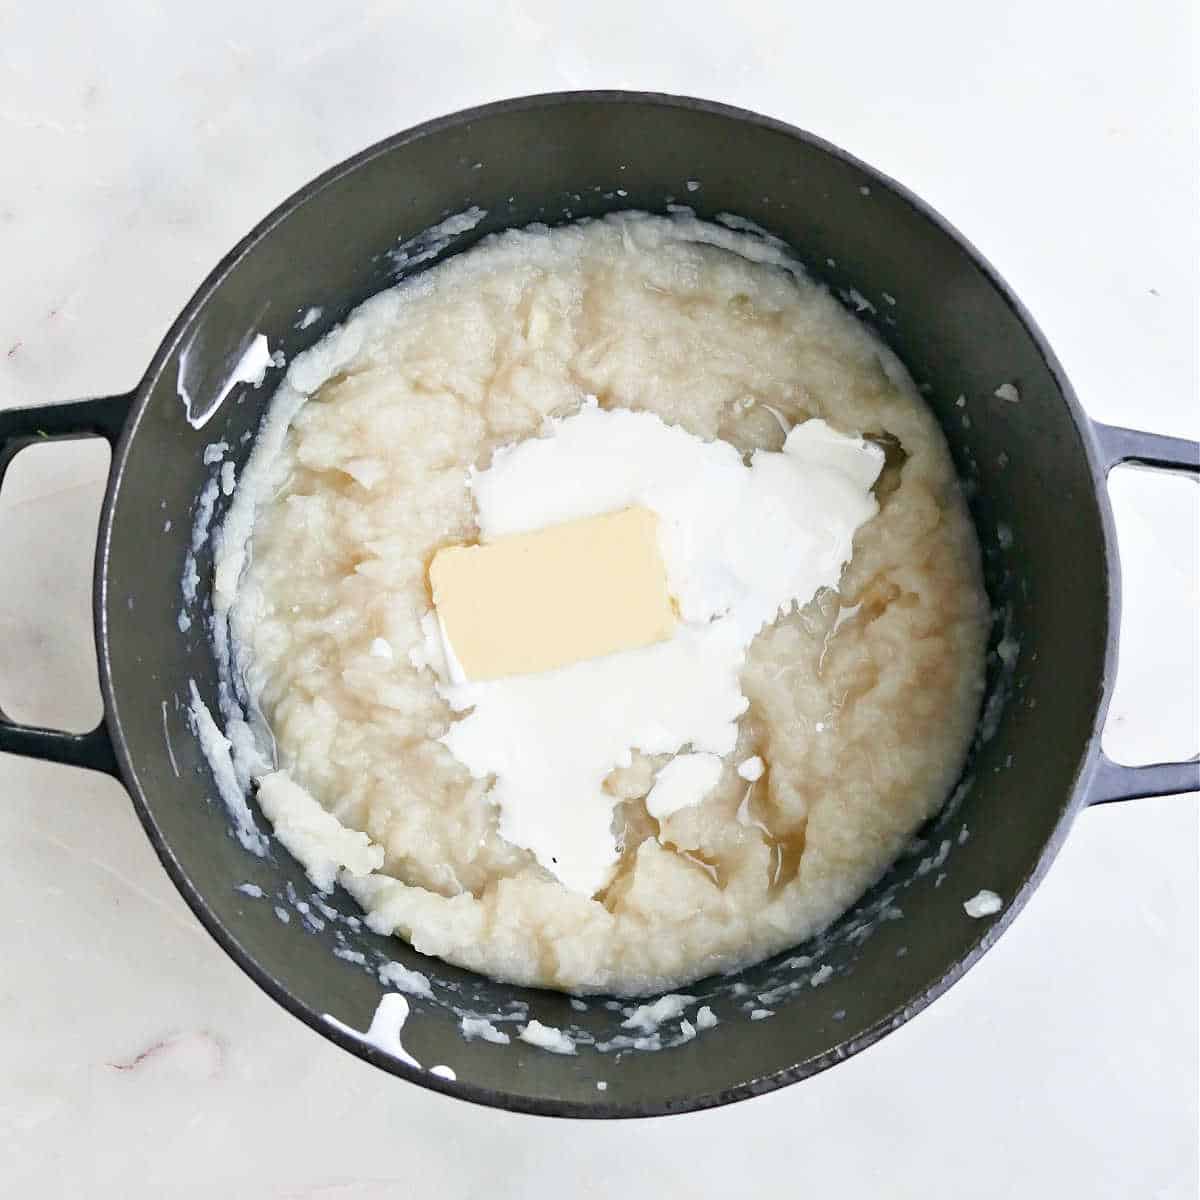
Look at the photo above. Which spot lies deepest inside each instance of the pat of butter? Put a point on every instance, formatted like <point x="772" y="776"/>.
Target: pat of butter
<point x="532" y="602"/>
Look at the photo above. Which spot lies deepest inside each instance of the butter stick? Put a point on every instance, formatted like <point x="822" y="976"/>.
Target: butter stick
<point x="532" y="602"/>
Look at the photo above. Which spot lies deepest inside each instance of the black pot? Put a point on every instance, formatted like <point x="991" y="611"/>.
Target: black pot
<point x="1035" y="470"/>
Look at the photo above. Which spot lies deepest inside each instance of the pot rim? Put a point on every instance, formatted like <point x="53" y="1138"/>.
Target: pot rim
<point x="225" y="936"/>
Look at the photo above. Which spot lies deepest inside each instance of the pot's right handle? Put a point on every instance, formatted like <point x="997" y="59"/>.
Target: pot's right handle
<point x="1110" y="780"/>
<point x="19" y="428"/>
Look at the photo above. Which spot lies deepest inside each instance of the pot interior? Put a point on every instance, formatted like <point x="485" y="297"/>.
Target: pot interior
<point x="1032" y="495"/>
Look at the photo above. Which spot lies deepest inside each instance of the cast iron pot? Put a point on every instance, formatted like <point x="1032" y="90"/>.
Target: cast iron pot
<point x="1035" y="471"/>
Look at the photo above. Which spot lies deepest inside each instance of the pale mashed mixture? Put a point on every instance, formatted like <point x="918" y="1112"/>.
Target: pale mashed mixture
<point x="861" y="705"/>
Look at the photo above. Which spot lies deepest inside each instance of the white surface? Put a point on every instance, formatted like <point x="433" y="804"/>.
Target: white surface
<point x="136" y="147"/>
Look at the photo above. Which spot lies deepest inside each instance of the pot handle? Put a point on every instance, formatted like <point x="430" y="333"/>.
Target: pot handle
<point x="19" y="428"/>
<point x="1110" y="780"/>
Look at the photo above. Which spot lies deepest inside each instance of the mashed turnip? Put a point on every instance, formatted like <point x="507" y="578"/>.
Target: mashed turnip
<point x="862" y="704"/>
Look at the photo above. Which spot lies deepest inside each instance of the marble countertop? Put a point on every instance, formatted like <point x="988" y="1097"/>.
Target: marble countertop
<point x="138" y="142"/>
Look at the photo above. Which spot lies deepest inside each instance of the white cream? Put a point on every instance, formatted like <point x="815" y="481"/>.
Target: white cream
<point x="984" y="903"/>
<point x="742" y="545"/>
<point x="646" y="1018"/>
<point x="482" y="1028"/>
<point x="217" y="749"/>
<point x="384" y="1032"/>
<point x="547" y="1038"/>
<point x="398" y="976"/>
<point x="751" y="769"/>
<point x="684" y="781"/>
<point x="251" y="368"/>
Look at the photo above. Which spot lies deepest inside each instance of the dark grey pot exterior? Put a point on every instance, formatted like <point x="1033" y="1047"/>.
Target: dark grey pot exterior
<point x="1034" y="470"/>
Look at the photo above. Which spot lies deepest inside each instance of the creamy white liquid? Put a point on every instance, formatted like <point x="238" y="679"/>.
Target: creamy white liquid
<point x="742" y="544"/>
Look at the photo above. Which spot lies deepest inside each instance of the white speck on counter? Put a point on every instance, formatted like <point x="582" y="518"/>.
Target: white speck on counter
<point x="547" y="1038"/>
<point x="984" y="903"/>
<point x="1006" y="391"/>
<point x="216" y="749"/>
<point x="250" y="368"/>
<point x="482" y="1028"/>
<point x="751" y="769"/>
<point x="405" y="980"/>
<point x="646" y="1018"/>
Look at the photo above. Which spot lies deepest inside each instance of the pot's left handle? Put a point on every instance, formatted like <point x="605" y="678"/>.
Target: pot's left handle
<point x="19" y="428"/>
<point x="1111" y="780"/>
